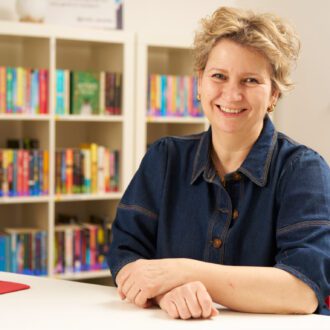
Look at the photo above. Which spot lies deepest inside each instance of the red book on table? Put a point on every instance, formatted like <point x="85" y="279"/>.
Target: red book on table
<point x="6" y="287"/>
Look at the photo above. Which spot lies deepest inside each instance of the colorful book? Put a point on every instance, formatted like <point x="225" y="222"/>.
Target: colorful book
<point x="85" y="89"/>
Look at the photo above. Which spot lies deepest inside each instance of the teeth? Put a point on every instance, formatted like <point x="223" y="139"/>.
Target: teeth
<point x="228" y="110"/>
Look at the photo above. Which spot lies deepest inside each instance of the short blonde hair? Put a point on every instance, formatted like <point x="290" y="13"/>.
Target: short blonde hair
<point x="266" y="33"/>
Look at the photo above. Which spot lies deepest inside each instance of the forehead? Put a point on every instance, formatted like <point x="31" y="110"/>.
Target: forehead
<point x="231" y="56"/>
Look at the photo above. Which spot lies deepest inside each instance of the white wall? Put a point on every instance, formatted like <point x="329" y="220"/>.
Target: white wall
<point x="305" y="113"/>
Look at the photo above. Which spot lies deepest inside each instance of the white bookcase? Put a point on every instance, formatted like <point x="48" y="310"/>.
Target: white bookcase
<point x="170" y="55"/>
<point x="52" y="47"/>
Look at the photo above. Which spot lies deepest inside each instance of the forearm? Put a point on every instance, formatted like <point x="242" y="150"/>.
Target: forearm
<point x="252" y="289"/>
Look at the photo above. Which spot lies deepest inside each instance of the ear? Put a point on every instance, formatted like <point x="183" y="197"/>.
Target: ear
<point x="275" y="96"/>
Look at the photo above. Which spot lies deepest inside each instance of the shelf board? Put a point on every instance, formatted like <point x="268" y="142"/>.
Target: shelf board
<point x="44" y="30"/>
<point x="83" y="275"/>
<point x="20" y="200"/>
<point x="19" y="116"/>
<point x="94" y="118"/>
<point x="87" y="197"/>
<point x="176" y="120"/>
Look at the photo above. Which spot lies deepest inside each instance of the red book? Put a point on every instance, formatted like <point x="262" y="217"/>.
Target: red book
<point x="43" y="91"/>
<point x="6" y="287"/>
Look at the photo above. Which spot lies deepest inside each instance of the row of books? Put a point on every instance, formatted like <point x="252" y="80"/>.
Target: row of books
<point x="88" y="93"/>
<point x="24" y="251"/>
<point x="89" y="169"/>
<point x="82" y="246"/>
<point x="23" y="90"/>
<point x="24" y="169"/>
<point x="173" y="96"/>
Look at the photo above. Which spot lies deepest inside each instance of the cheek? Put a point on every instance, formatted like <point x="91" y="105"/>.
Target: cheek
<point x="210" y="90"/>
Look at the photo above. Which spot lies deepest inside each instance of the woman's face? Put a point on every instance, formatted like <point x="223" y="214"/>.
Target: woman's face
<point x="235" y="88"/>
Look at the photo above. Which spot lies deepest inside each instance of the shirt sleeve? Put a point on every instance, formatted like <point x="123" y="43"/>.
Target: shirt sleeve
<point x="303" y="225"/>
<point x="135" y="226"/>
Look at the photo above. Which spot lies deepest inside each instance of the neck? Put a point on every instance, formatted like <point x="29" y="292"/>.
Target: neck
<point x="231" y="149"/>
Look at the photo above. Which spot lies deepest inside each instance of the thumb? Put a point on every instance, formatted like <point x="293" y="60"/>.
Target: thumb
<point x="214" y="311"/>
<point x="121" y="294"/>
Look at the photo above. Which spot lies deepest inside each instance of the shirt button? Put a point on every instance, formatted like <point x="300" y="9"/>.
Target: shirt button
<point x="235" y="214"/>
<point x="236" y="176"/>
<point x="217" y="243"/>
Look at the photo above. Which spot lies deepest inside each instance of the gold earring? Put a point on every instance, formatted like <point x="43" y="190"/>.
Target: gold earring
<point x="271" y="108"/>
<point x="198" y="97"/>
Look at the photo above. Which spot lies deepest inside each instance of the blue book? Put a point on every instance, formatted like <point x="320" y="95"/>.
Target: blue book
<point x="60" y="104"/>
<point x="163" y="89"/>
<point x="35" y="91"/>
<point x="3" y="252"/>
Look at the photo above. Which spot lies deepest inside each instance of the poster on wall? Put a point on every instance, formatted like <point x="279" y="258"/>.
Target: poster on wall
<point x="101" y="14"/>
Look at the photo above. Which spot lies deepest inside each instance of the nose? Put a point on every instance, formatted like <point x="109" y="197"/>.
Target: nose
<point x="232" y="92"/>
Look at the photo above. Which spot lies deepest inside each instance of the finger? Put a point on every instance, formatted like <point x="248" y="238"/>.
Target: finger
<point x="214" y="312"/>
<point x="193" y="305"/>
<point x="205" y="302"/>
<point x="141" y="299"/>
<point x="182" y="308"/>
<point x="122" y="276"/>
<point x="132" y="293"/>
<point x="121" y="294"/>
<point x="171" y="309"/>
<point x="126" y="287"/>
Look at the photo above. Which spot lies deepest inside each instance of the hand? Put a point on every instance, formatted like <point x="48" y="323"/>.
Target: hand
<point x="142" y="280"/>
<point x="187" y="301"/>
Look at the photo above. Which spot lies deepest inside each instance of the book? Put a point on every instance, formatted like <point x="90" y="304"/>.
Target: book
<point x="173" y="96"/>
<point x="85" y="89"/>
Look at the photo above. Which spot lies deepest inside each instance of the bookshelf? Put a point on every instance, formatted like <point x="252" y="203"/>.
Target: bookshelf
<point x="53" y="47"/>
<point x="165" y="55"/>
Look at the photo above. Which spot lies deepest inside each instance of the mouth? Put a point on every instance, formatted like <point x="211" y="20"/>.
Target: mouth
<point x="230" y="111"/>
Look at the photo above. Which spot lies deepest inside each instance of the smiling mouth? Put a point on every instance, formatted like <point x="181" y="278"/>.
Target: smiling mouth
<point x="230" y="110"/>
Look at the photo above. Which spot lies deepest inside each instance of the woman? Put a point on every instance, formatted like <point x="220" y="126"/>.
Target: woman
<point x="240" y="214"/>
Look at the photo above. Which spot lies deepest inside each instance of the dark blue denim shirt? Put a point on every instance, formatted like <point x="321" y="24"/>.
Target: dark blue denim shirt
<point x="273" y="211"/>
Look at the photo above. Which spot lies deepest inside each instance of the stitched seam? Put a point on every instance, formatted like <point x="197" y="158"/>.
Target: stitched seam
<point x="305" y="224"/>
<point x="303" y="276"/>
<point x="140" y="209"/>
<point x="197" y="157"/>
<point x="269" y="157"/>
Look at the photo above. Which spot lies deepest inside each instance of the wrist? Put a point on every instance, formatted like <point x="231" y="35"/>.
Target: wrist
<point x="186" y="268"/>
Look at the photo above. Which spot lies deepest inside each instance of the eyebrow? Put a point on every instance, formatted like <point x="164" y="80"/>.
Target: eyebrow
<point x="243" y="74"/>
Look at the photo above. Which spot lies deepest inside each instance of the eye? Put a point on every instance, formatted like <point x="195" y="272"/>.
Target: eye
<point x="219" y="76"/>
<point x="251" y="80"/>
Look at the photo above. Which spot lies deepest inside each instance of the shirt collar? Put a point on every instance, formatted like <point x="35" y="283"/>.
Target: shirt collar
<point x="256" y="164"/>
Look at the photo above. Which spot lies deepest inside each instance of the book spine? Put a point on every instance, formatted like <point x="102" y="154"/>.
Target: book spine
<point x="19" y="104"/>
<point x="77" y="250"/>
<point x="69" y="170"/>
<point x="10" y="172"/>
<point x="118" y="93"/>
<point x="68" y="250"/>
<point x="35" y="104"/>
<point x="94" y="168"/>
<point x="26" y="171"/>
<point x="58" y="161"/>
<point x="3" y="83"/>
<point x="100" y="170"/>
<point x="59" y="109"/>
<point x="45" y="187"/>
<point x="1" y="173"/>
<point x="102" y="94"/>
<point x="27" y="105"/>
<point x="87" y="171"/>
<point x="9" y="90"/>
<point x="43" y="91"/>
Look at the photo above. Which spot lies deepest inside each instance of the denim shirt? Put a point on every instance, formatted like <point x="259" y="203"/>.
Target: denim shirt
<point x="273" y="211"/>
